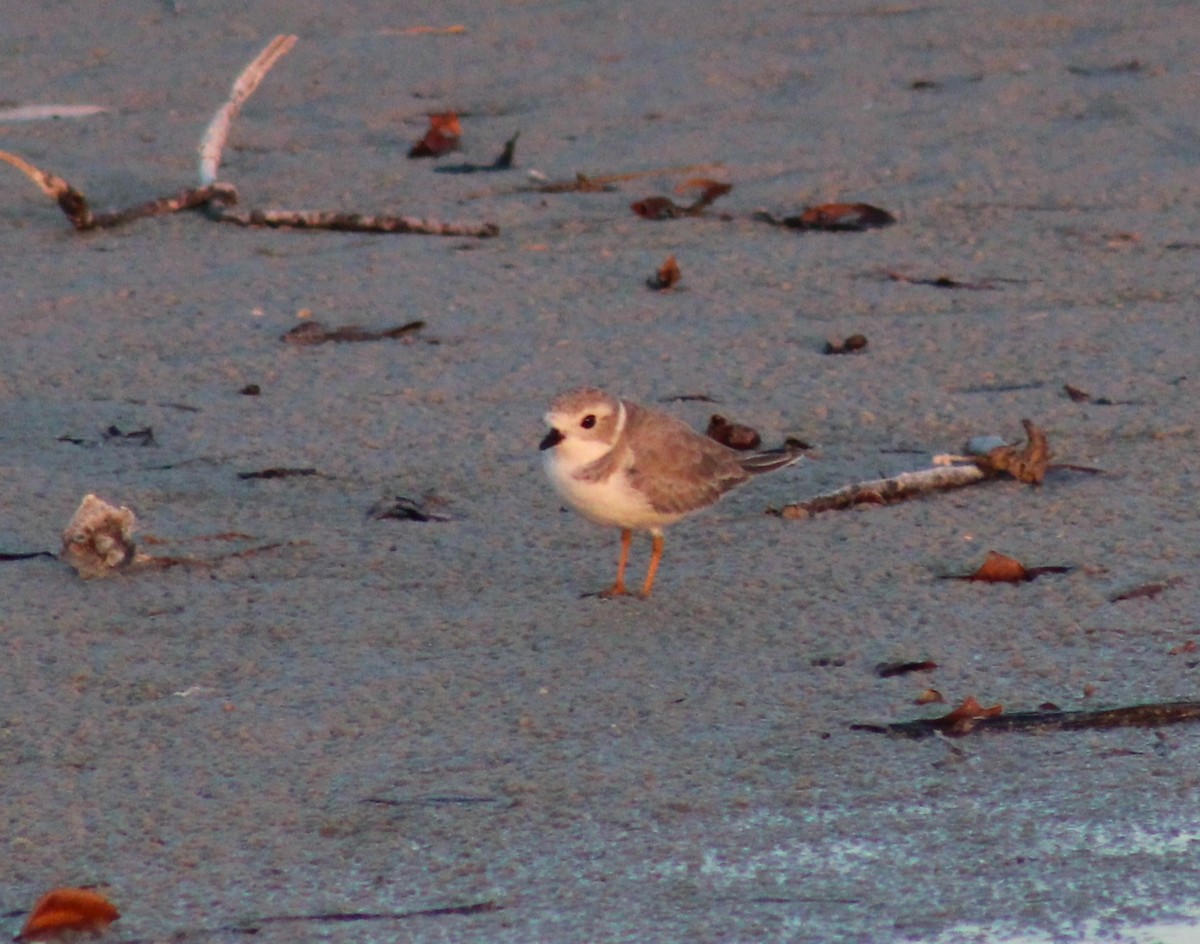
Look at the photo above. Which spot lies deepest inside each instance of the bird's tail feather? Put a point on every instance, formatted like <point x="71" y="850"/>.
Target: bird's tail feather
<point x="768" y="460"/>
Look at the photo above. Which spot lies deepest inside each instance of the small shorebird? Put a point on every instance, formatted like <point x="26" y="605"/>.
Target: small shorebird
<point x="637" y="469"/>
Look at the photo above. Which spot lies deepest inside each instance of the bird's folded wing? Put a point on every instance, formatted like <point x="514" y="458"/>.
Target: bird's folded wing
<point x="679" y="470"/>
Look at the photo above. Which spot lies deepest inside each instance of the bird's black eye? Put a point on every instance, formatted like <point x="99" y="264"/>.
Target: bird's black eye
<point x="588" y="421"/>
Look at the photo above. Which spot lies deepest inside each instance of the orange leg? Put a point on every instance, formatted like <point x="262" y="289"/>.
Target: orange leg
<point x="652" y="570"/>
<point x="618" y="588"/>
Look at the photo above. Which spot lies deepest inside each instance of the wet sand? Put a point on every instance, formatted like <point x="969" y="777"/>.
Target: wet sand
<point x="382" y="716"/>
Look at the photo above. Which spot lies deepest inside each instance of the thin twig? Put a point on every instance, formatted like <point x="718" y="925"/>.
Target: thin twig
<point x="183" y="200"/>
<point x="220" y="198"/>
<point x="76" y="208"/>
<point x="213" y="141"/>
<point x="584" y="183"/>
<point x="73" y="203"/>
<point x="883" y="491"/>
<point x="1026" y="464"/>
<point x="352" y="222"/>
<point x="1133" y="716"/>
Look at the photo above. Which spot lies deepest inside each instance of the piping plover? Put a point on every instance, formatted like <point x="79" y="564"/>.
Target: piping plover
<point x="637" y="469"/>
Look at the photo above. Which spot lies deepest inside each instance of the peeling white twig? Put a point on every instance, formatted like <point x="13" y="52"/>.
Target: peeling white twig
<point x="1027" y="464"/>
<point x="882" y="491"/>
<point x="213" y="142"/>
<point x="220" y="199"/>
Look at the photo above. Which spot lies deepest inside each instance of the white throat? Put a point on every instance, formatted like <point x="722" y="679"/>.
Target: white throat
<point x="577" y="451"/>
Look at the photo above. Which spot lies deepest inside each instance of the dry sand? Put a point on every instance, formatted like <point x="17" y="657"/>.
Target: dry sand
<point x="385" y="716"/>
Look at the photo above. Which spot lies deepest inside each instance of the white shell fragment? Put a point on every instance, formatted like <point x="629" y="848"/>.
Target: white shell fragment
<point x="99" y="539"/>
<point x="982" y="445"/>
<point x="50" y="112"/>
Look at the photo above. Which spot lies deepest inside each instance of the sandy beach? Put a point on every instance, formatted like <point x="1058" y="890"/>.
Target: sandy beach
<point x="324" y="725"/>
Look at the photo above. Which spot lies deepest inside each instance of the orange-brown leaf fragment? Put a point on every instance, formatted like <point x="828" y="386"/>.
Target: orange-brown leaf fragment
<point x="68" y="909"/>
<point x="1027" y="464"/>
<point x="999" y="568"/>
<point x="962" y="719"/>
<point x="712" y="190"/>
<point x="657" y="208"/>
<point x="697" y="183"/>
<point x="664" y="208"/>
<point x="667" y="275"/>
<point x="842" y="217"/>
<point x="851" y="345"/>
<point x="929" y="696"/>
<point x="441" y="138"/>
<point x="446" y="123"/>
<point x="709" y="190"/>
<point x="1146" y="591"/>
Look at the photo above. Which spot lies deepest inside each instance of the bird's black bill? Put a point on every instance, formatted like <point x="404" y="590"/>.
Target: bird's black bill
<point x="553" y="438"/>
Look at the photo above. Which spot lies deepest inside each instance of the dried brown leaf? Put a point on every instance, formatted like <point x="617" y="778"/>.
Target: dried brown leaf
<point x="701" y="184"/>
<point x="667" y="276"/>
<point x="733" y="435"/>
<point x="851" y="345"/>
<point x="1146" y="591"/>
<point x="278" y="472"/>
<point x="664" y="208"/>
<point x="892" y="669"/>
<point x="839" y="217"/>
<point x="710" y="190"/>
<point x="657" y="208"/>
<point x="64" y="910"/>
<point x="1027" y="464"/>
<point x="314" y="332"/>
<point x="846" y="216"/>
<point x="443" y="136"/>
<point x="999" y="568"/>
<point x="1080" y="395"/>
<point x="940" y="281"/>
<point x="402" y="508"/>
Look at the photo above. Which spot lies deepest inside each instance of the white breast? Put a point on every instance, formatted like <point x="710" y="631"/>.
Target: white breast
<point x="610" y="501"/>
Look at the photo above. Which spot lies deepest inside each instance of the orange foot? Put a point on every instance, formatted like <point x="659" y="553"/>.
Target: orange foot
<point x="616" y="590"/>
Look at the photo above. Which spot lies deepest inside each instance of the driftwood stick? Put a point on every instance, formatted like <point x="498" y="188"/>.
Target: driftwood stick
<point x="883" y="491"/>
<point x="352" y="222"/>
<point x="213" y="142"/>
<point x="220" y="198"/>
<point x="1133" y="716"/>
<point x="73" y="203"/>
<point x="50" y="184"/>
<point x="1026" y="464"/>
<point x="76" y="208"/>
<point x="183" y="200"/>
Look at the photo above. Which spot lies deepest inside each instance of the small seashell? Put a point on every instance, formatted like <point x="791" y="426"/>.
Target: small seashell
<point x="982" y="445"/>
